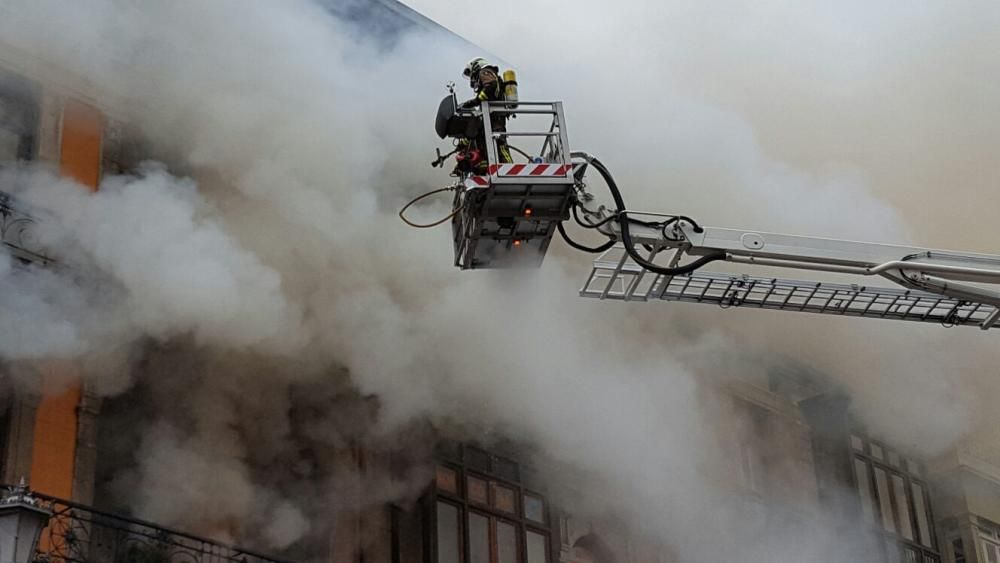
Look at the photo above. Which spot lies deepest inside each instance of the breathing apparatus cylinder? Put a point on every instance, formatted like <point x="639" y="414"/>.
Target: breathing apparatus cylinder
<point x="510" y="86"/>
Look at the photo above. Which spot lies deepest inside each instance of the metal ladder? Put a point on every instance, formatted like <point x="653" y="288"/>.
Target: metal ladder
<point x="931" y="286"/>
<point x="624" y="280"/>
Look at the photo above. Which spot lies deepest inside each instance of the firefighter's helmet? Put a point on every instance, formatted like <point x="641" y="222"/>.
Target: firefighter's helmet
<point x="473" y="69"/>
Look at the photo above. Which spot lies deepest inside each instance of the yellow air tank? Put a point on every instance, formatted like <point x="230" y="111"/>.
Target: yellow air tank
<point x="510" y="86"/>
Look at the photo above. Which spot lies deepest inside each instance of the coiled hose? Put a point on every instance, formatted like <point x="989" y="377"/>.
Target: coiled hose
<point x="626" y="235"/>
<point x="454" y="212"/>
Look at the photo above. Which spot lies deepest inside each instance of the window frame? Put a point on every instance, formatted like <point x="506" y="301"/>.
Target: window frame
<point x="956" y="544"/>
<point x="19" y="94"/>
<point x="910" y="478"/>
<point x="989" y="544"/>
<point x="522" y="524"/>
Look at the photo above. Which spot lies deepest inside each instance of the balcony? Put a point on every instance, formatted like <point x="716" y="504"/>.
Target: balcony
<point x="81" y="534"/>
<point x="17" y="233"/>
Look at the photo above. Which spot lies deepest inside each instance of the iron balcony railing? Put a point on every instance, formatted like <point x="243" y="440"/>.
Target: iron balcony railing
<point x="81" y="534"/>
<point x="17" y="232"/>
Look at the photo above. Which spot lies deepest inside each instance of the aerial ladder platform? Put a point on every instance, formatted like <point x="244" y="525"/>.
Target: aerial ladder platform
<point x="927" y="286"/>
<point x="506" y="213"/>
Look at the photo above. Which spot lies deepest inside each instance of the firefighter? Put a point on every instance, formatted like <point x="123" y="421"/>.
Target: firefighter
<point x="485" y="80"/>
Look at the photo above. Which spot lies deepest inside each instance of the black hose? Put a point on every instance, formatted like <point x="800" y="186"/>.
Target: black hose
<point x="524" y="154"/>
<point x="589" y="225"/>
<point x="694" y="225"/>
<point x="614" y="217"/>
<point x="578" y="246"/>
<point x="626" y="236"/>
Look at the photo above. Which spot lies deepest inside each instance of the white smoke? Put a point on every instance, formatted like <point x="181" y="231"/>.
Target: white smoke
<point x="35" y="323"/>
<point x="179" y="272"/>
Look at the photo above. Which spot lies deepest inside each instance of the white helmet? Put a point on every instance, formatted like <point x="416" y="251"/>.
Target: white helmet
<point x="473" y="69"/>
<point x="474" y="66"/>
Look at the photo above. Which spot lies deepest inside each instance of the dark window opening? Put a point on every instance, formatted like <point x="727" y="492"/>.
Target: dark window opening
<point x="958" y="550"/>
<point x="18" y="119"/>
<point x="484" y="514"/>
<point x="123" y="149"/>
<point x="595" y="550"/>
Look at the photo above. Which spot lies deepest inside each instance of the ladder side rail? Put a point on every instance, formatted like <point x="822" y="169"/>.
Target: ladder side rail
<point x="548" y="141"/>
<point x="779" y="246"/>
<point x="955" y="290"/>
<point x="504" y="105"/>
<point x="497" y="107"/>
<point x="952" y="256"/>
<point x="814" y="253"/>
<point x="834" y="251"/>
<point x="492" y="156"/>
<point x="990" y="320"/>
<point x="560" y="120"/>
<point x="805" y="249"/>
<point x="965" y="273"/>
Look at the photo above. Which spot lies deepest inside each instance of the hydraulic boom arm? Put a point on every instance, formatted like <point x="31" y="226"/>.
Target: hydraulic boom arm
<point x="929" y="285"/>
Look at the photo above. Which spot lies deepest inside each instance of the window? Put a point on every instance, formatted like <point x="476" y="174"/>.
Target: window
<point x="123" y="148"/>
<point x="18" y="119"/>
<point x="864" y="490"/>
<point x="751" y="467"/>
<point x="958" y="550"/>
<point x="992" y="550"/>
<point x="892" y="495"/>
<point x="752" y="462"/>
<point x="485" y="515"/>
<point x="902" y="507"/>
<point x="590" y="548"/>
<point x="449" y="541"/>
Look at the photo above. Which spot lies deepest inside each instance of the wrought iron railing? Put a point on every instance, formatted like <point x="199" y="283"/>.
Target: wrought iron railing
<point x="81" y="534"/>
<point x="17" y="232"/>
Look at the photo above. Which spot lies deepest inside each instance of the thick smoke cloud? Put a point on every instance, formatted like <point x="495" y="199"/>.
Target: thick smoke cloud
<point x="182" y="272"/>
<point x="281" y="258"/>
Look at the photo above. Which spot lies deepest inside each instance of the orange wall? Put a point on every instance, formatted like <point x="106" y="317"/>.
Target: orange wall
<point x="82" y="129"/>
<point x="54" y="450"/>
<point x="54" y="454"/>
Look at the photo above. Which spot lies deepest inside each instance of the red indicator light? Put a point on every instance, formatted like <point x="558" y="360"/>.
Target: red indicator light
<point x="517" y="243"/>
<point x="527" y="212"/>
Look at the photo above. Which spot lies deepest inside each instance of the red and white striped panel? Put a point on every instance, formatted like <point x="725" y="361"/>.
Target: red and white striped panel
<point x="474" y="182"/>
<point x="530" y="170"/>
<point x="521" y="170"/>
